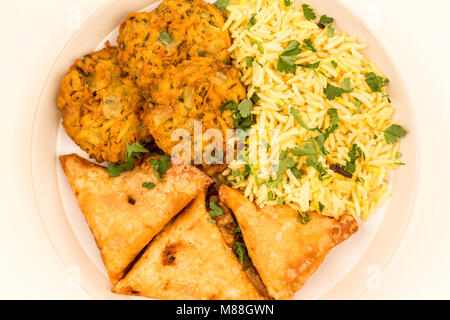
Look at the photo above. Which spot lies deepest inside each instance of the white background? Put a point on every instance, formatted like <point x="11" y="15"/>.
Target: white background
<point x="415" y="32"/>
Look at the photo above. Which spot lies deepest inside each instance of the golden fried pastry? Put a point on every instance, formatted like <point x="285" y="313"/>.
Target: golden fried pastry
<point x="192" y="91"/>
<point x="100" y="108"/>
<point x="286" y="248"/>
<point x="177" y="30"/>
<point x="122" y="214"/>
<point x="188" y="260"/>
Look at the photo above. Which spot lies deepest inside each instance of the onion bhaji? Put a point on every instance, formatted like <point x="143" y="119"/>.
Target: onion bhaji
<point x="101" y="108"/>
<point x="192" y="91"/>
<point x="176" y="31"/>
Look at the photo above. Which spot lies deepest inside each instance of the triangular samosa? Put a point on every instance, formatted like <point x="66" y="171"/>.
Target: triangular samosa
<point x="188" y="260"/>
<point x="122" y="214"/>
<point x="286" y="247"/>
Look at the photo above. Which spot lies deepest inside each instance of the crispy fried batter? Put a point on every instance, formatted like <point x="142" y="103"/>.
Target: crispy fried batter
<point x="192" y="91"/>
<point x="285" y="251"/>
<point x="196" y="30"/>
<point x="188" y="259"/>
<point x="100" y="108"/>
<point x="123" y="215"/>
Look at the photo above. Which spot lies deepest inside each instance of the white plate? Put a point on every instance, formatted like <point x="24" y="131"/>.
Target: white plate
<point x="348" y="269"/>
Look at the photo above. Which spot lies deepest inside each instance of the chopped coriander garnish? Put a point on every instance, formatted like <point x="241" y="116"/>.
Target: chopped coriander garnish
<point x="398" y="155"/>
<point x="310" y="66"/>
<point x="307" y="150"/>
<point x="321" y="206"/>
<point x="273" y="183"/>
<point x="211" y="220"/>
<point x="296" y="172"/>
<point x="245" y="107"/>
<point x="327" y="22"/>
<point x="303" y="219"/>
<point x="354" y="154"/>
<point x="285" y="163"/>
<point x="307" y="44"/>
<point x="160" y="166"/>
<point x="149" y="185"/>
<point x="287" y="3"/>
<point x="308" y="12"/>
<point x="280" y="201"/>
<point x="286" y="62"/>
<point x="255" y="98"/>
<point x="393" y="133"/>
<point x="347" y="85"/>
<point x="270" y="196"/>
<point x="375" y="82"/>
<point x="251" y="21"/>
<point x="295" y="112"/>
<point x="259" y="45"/>
<point x="334" y="64"/>
<point x="249" y="61"/>
<point x="313" y="162"/>
<point x="240" y="250"/>
<point x="221" y="4"/>
<point x="216" y="210"/>
<point x="241" y="113"/>
<point x="165" y="37"/>
<point x="133" y="152"/>
<point x="334" y="116"/>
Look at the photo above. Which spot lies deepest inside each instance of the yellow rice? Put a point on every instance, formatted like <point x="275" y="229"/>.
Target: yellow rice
<point x="275" y="26"/>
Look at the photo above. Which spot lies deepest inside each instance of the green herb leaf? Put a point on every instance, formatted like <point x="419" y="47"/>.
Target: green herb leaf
<point x="249" y="61"/>
<point x="280" y="201"/>
<point x="333" y="114"/>
<point x="375" y="82"/>
<point x="334" y="64"/>
<point x="270" y="196"/>
<point x="149" y="185"/>
<point x="273" y="183"/>
<point x="160" y="166"/>
<point x="295" y="112"/>
<point x="221" y="4"/>
<point x="307" y="44"/>
<point x="165" y="37"/>
<point x="230" y="105"/>
<point x="333" y="92"/>
<point x="347" y="85"/>
<point x="393" y="133"/>
<point x="303" y="219"/>
<point x="308" y="12"/>
<point x="313" y="162"/>
<point x="259" y="45"/>
<point x="313" y="66"/>
<point x="307" y="150"/>
<point x="251" y="22"/>
<point x="287" y="3"/>
<point x="321" y="206"/>
<point x="211" y="220"/>
<point x="296" y="172"/>
<point x="354" y="154"/>
<point x="216" y="210"/>
<point x="133" y="152"/>
<point x="255" y="98"/>
<point x="325" y="21"/>
<point x="240" y="250"/>
<point x="245" y="107"/>
<point x="286" y="62"/>
<point x="285" y="164"/>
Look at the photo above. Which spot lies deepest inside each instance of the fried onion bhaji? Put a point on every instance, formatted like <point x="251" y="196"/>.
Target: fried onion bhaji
<point x="177" y="30"/>
<point x="192" y="91"/>
<point x="100" y="108"/>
